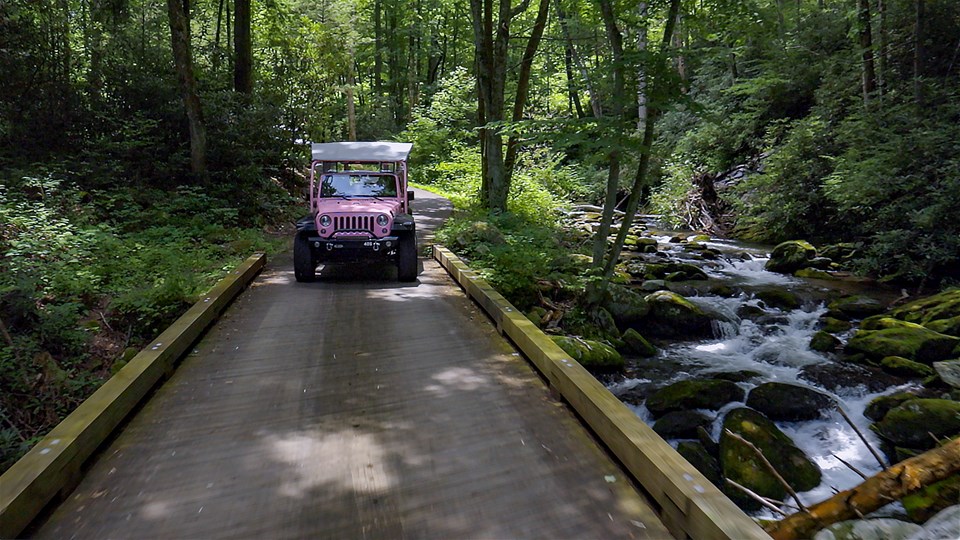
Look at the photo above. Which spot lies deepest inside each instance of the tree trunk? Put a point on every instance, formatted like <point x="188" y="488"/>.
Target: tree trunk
<point x="243" y="65"/>
<point x="882" y="50"/>
<point x="876" y="492"/>
<point x="594" y="97"/>
<point x="919" y="32"/>
<point x="180" y="40"/>
<point x="869" y="78"/>
<point x="216" y="40"/>
<point x="523" y="84"/>
<point x="378" y="47"/>
<point x="351" y="109"/>
<point x="642" y="37"/>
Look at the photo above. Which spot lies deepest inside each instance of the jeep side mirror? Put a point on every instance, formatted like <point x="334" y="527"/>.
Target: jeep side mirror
<point x="409" y="195"/>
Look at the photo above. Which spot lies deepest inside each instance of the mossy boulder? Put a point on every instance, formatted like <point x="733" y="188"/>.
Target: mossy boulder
<point x="898" y="365"/>
<point x="857" y="306"/>
<point x="950" y="327"/>
<point x="637" y="344"/>
<point x="911" y="423"/>
<point x="813" y="273"/>
<point x="710" y="394"/>
<point x="880" y="406"/>
<point x="627" y="307"/>
<point x="678" y="271"/>
<point x="779" y="298"/>
<point x="834" y="325"/>
<point x="788" y="402"/>
<point x="672" y="315"/>
<point x="606" y="324"/>
<point x="698" y="456"/>
<point x="931" y="499"/>
<point x="945" y="305"/>
<point x="790" y="256"/>
<point x="824" y="342"/>
<point x="591" y="354"/>
<point x="913" y="343"/>
<point x="741" y="464"/>
<point x="883" y="322"/>
<point x="681" y="424"/>
<point x="869" y="529"/>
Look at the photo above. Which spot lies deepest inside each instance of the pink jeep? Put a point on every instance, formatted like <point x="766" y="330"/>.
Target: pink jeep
<point x="359" y="209"/>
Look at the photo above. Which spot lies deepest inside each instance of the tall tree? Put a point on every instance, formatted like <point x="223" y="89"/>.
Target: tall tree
<point x="183" y="61"/>
<point x="864" y="29"/>
<point x="243" y="48"/>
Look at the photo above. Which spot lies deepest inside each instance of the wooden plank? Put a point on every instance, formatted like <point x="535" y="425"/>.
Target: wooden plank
<point x="675" y="484"/>
<point x="53" y="465"/>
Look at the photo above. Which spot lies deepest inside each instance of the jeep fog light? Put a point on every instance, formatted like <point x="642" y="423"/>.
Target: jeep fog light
<point x="382" y="220"/>
<point x="324" y="220"/>
<point x="388" y="244"/>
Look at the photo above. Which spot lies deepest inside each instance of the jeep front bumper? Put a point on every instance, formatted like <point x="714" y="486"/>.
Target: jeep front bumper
<point x="351" y="249"/>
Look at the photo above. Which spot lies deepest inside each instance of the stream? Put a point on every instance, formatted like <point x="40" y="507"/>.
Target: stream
<point x="773" y="346"/>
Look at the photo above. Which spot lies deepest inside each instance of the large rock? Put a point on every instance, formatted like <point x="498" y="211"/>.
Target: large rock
<point x="590" y="354"/>
<point x="710" y="394"/>
<point x="627" y="307"/>
<point x="949" y="372"/>
<point x="881" y="405"/>
<point x="945" y="525"/>
<point x="924" y="504"/>
<point x="672" y="315"/>
<point x="698" y="456"/>
<point x="913" y="343"/>
<point x="837" y="375"/>
<point x="637" y="344"/>
<point x="856" y="307"/>
<point x="911" y="423"/>
<point x="791" y="256"/>
<point x="779" y="298"/>
<point x="788" y="402"/>
<point x="670" y="271"/>
<point x="869" y="529"/>
<point x="905" y="368"/>
<point x="741" y="464"/>
<point x="681" y="424"/>
<point x="945" y="305"/>
<point x="824" y="342"/>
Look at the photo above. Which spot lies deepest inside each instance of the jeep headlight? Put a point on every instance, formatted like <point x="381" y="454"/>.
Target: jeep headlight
<point x="325" y="220"/>
<point x="382" y="220"/>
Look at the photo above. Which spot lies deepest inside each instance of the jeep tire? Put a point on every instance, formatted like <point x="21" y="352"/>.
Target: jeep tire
<point x="407" y="257"/>
<point x="303" y="268"/>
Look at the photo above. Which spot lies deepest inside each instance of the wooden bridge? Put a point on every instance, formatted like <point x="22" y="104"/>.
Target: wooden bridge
<point x="357" y="407"/>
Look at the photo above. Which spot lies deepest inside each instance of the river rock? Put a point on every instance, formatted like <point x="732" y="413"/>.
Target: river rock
<point x="869" y="529"/>
<point x="944" y="525"/>
<point x="788" y="402"/>
<point x="945" y="305"/>
<point x="883" y="322"/>
<point x="741" y="464"/>
<point x="681" y="424"/>
<point x="905" y="368"/>
<point x="924" y="504"/>
<point x="813" y="273"/>
<point x="653" y="285"/>
<point x="911" y="423"/>
<point x="836" y="375"/>
<point x="590" y="354"/>
<point x="668" y="271"/>
<point x="637" y="344"/>
<point x="698" y="456"/>
<point x="672" y="315"/>
<point x="856" y="307"/>
<point x="913" y="343"/>
<point x="710" y="394"/>
<point x="881" y="405"/>
<point x="626" y="306"/>
<point x="950" y="327"/>
<point x="834" y="325"/>
<point x="949" y="372"/>
<point x="791" y="256"/>
<point x="606" y="324"/>
<point x="825" y="342"/>
<point x="779" y="298"/>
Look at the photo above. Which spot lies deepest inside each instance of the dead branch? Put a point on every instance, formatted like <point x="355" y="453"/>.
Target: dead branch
<point x="769" y="466"/>
<point x="849" y="466"/>
<point x="893" y="483"/>
<point x="860" y="434"/>
<point x="760" y="499"/>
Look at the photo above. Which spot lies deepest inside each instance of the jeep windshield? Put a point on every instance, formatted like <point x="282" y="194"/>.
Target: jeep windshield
<point x="358" y="185"/>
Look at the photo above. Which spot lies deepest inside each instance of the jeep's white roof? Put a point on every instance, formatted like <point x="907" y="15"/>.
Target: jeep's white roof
<point x="361" y="151"/>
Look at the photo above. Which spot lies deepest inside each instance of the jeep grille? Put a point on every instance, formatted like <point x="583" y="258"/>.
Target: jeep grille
<point x="353" y="223"/>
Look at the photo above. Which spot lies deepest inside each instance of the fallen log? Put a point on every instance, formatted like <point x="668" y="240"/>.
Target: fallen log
<point x="892" y="484"/>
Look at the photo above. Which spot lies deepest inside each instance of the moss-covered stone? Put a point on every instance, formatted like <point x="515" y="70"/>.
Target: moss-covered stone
<point x="672" y="315"/>
<point x="924" y="504"/>
<point x="590" y="354"/>
<point x="637" y="344"/>
<point x="681" y="271"/>
<point x="857" y="307"/>
<point x="627" y="307"/>
<point x="740" y="464"/>
<point x="788" y="402"/>
<point x="911" y="423"/>
<point x="536" y="314"/>
<point x="606" y="324"/>
<point x="832" y="325"/>
<point x="880" y="406"/>
<point x="950" y="327"/>
<point x="945" y="305"/>
<point x="710" y="394"/>
<point x="813" y="273"/>
<point x="698" y="456"/>
<point x="779" y="298"/>
<point x="681" y="424"/>
<point x="790" y="256"/>
<point x="883" y="322"/>
<point x="913" y="343"/>
<point x="905" y="368"/>
<point x="824" y="342"/>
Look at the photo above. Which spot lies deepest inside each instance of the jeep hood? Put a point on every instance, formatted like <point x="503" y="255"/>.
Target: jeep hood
<point x="365" y="205"/>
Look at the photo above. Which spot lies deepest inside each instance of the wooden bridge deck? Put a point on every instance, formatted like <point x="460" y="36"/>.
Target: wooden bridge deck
<point x="354" y="407"/>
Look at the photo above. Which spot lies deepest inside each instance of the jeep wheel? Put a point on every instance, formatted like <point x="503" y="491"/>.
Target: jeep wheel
<point x="407" y="257"/>
<point x="303" y="268"/>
